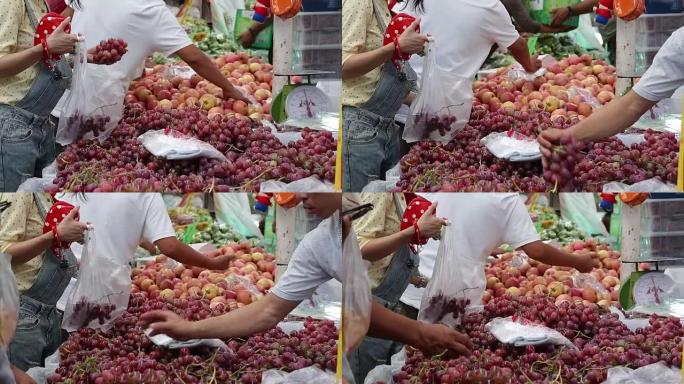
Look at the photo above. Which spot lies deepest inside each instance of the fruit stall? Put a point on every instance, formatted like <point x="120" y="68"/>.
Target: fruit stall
<point x="179" y="134"/>
<point x="109" y="345"/>
<point x="542" y="324"/>
<point x="493" y="148"/>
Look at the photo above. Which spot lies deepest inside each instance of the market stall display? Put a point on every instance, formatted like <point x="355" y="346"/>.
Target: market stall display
<point x="509" y="101"/>
<point x="552" y="227"/>
<point x="195" y="226"/>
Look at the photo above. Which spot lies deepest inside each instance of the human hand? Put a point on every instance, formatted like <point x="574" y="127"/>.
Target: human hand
<point x="247" y="38"/>
<point x="550" y="137"/>
<point x="559" y="15"/>
<point x="586" y="262"/>
<point x="71" y="230"/>
<point x="430" y="225"/>
<point x="22" y="377"/>
<point x="220" y="263"/>
<point x="435" y="339"/>
<point x="535" y="65"/>
<point x="237" y="93"/>
<point x="168" y="323"/>
<point x="412" y="42"/>
<point x="60" y="42"/>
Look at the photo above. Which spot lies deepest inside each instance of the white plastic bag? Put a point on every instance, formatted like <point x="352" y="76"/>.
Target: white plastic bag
<point x="40" y="184"/>
<point x="522" y="333"/>
<point x="580" y="208"/>
<point x="306" y="375"/>
<point x="357" y="298"/>
<point x="40" y="374"/>
<point x="94" y="104"/>
<point x="458" y="281"/>
<point x="102" y="291"/>
<point x="310" y="184"/>
<point x="234" y="210"/>
<point x="223" y="15"/>
<point x="443" y="104"/>
<point x="173" y="145"/>
<point x="384" y="373"/>
<point x="9" y="302"/>
<point x="649" y="374"/>
<point x="512" y="146"/>
<point x="651" y="186"/>
<point x="162" y="340"/>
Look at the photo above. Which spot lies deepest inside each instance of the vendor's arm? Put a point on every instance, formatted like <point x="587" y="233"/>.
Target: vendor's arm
<point x="660" y="81"/>
<point x="183" y="253"/>
<point x="13" y="224"/>
<point x="21" y="377"/>
<point x="562" y="14"/>
<point x="521" y="15"/>
<point x="259" y="316"/>
<point x="500" y="31"/>
<point x="547" y="254"/>
<point x="521" y="54"/>
<point x="355" y="14"/>
<point x="432" y="339"/>
<point x="248" y="37"/>
<point x="12" y="62"/>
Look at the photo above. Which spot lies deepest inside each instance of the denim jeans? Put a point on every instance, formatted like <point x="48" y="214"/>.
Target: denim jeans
<point x="27" y="145"/>
<point x="39" y="334"/>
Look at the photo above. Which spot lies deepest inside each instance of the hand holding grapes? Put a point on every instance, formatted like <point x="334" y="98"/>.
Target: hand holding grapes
<point x="549" y="137"/>
<point x="71" y="230"/>
<point x="412" y="42"/>
<point x="168" y="323"/>
<point x="435" y="339"/>
<point x="430" y="225"/>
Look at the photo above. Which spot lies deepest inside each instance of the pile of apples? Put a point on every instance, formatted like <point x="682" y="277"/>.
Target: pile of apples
<point x="532" y="278"/>
<point x="250" y="275"/>
<point x="553" y="92"/>
<point x="251" y="74"/>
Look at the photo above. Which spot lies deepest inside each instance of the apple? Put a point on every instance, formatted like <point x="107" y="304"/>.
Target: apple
<point x="244" y="297"/>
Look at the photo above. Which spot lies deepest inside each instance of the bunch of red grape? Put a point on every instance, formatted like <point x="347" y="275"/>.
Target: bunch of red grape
<point x="125" y="355"/>
<point x="602" y="342"/>
<point x="439" y="306"/>
<point x="560" y="165"/>
<point x="79" y="126"/>
<point x="122" y="164"/>
<point x="432" y="122"/>
<point x="85" y="311"/>
<point x="109" y="51"/>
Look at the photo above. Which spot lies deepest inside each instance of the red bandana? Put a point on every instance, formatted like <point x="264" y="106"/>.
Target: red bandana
<point x="55" y="215"/>
<point x="414" y="211"/>
<point x="395" y="28"/>
<point x="46" y="26"/>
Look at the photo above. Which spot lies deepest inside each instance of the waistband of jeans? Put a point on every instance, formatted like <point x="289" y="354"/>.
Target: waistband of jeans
<point x="28" y="117"/>
<point x="36" y="305"/>
<point x="348" y="111"/>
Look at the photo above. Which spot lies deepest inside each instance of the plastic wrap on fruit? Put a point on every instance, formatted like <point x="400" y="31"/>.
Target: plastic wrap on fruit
<point x="520" y="332"/>
<point x="585" y="280"/>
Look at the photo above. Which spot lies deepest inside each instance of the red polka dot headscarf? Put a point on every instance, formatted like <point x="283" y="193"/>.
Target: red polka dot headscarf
<point x="46" y="26"/>
<point x="55" y="215"/>
<point x="415" y="209"/>
<point x="395" y="28"/>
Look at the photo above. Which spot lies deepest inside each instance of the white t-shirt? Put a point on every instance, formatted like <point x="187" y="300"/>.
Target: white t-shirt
<point x="464" y="32"/>
<point x="123" y="220"/>
<point x="666" y="74"/>
<point x="482" y="222"/>
<point x="316" y="260"/>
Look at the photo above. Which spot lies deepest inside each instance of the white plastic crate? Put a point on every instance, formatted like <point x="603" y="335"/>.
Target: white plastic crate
<point x="313" y="21"/>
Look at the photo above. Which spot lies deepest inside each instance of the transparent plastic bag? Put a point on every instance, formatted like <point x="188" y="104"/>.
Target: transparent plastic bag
<point x="651" y="185"/>
<point x="384" y="373"/>
<point x="306" y="375"/>
<point x="585" y="280"/>
<point x="579" y="95"/>
<point x="94" y="104"/>
<point x="173" y="145"/>
<point x="234" y="210"/>
<point x="443" y="105"/>
<point x="649" y="374"/>
<point x="9" y="302"/>
<point x="520" y="333"/>
<point x="223" y="15"/>
<point x="102" y="291"/>
<point x="40" y="184"/>
<point x="310" y="184"/>
<point x="512" y="146"/>
<point x="458" y="281"/>
<point x="357" y="298"/>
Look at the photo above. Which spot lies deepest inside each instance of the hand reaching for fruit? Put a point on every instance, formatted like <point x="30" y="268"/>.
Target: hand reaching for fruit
<point x="435" y="339"/>
<point x="238" y="94"/>
<point x="586" y="262"/>
<point x="168" y="323"/>
<point x="548" y="137"/>
<point x="221" y="263"/>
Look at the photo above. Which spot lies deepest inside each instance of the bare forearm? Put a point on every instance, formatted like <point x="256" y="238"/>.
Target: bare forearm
<point x="377" y="249"/>
<point x="15" y="63"/>
<point x="24" y="251"/>
<point x="613" y="118"/>
<point x="521" y="53"/>
<point x="362" y="63"/>
<point x="389" y="325"/>
<point x="549" y="255"/>
<point x="204" y="66"/>
<point x="183" y="253"/>
<point x="260" y="316"/>
<point x="587" y="6"/>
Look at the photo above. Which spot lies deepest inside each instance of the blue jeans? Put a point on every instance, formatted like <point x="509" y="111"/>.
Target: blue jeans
<point x="370" y="147"/>
<point x="39" y="334"/>
<point x="27" y="145"/>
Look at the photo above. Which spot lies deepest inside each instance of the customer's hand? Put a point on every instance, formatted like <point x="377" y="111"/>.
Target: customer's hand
<point x="435" y="339"/>
<point x="412" y="42"/>
<point x="60" y="42"/>
<point x="22" y="377"/>
<point x="559" y="15"/>
<point x="71" y="230"/>
<point x="429" y="224"/>
<point x="247" y="38"/>
<point x="169" y="324"/>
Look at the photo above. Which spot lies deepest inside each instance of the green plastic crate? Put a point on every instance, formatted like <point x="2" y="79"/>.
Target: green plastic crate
<point x="243" y="20"/>
<point x="540" y="10"/>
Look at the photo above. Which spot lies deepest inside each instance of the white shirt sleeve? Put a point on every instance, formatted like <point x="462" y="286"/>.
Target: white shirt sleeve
<point x="315" y="261"/>
<point x="157" y="224"/>
<point x="168" y="36"/>
<point x="499" y="27"/>
<point x="519" y="229"/>
<point x="666" y="74"/>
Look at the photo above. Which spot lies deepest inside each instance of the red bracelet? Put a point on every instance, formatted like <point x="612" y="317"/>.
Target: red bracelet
<point x="397" y="48"/>
<point x="417" y="229"/>
<point x="57" y="242"/>
<point x="46" y="53"/>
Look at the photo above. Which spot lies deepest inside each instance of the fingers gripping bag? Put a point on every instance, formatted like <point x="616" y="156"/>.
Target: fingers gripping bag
<point x="102" y="291"/>
<point x="356" y="296"/>
<point x="458" y="282"/>
<point x="443" y="105"/>
<point x="94" y="104"/>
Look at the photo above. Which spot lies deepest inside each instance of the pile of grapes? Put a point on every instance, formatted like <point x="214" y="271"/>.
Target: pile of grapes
<point x="122" y="164"/>
<point x="464" y="165"/>
<point x="602" y="342"/>
<point x="126" y="355"/>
